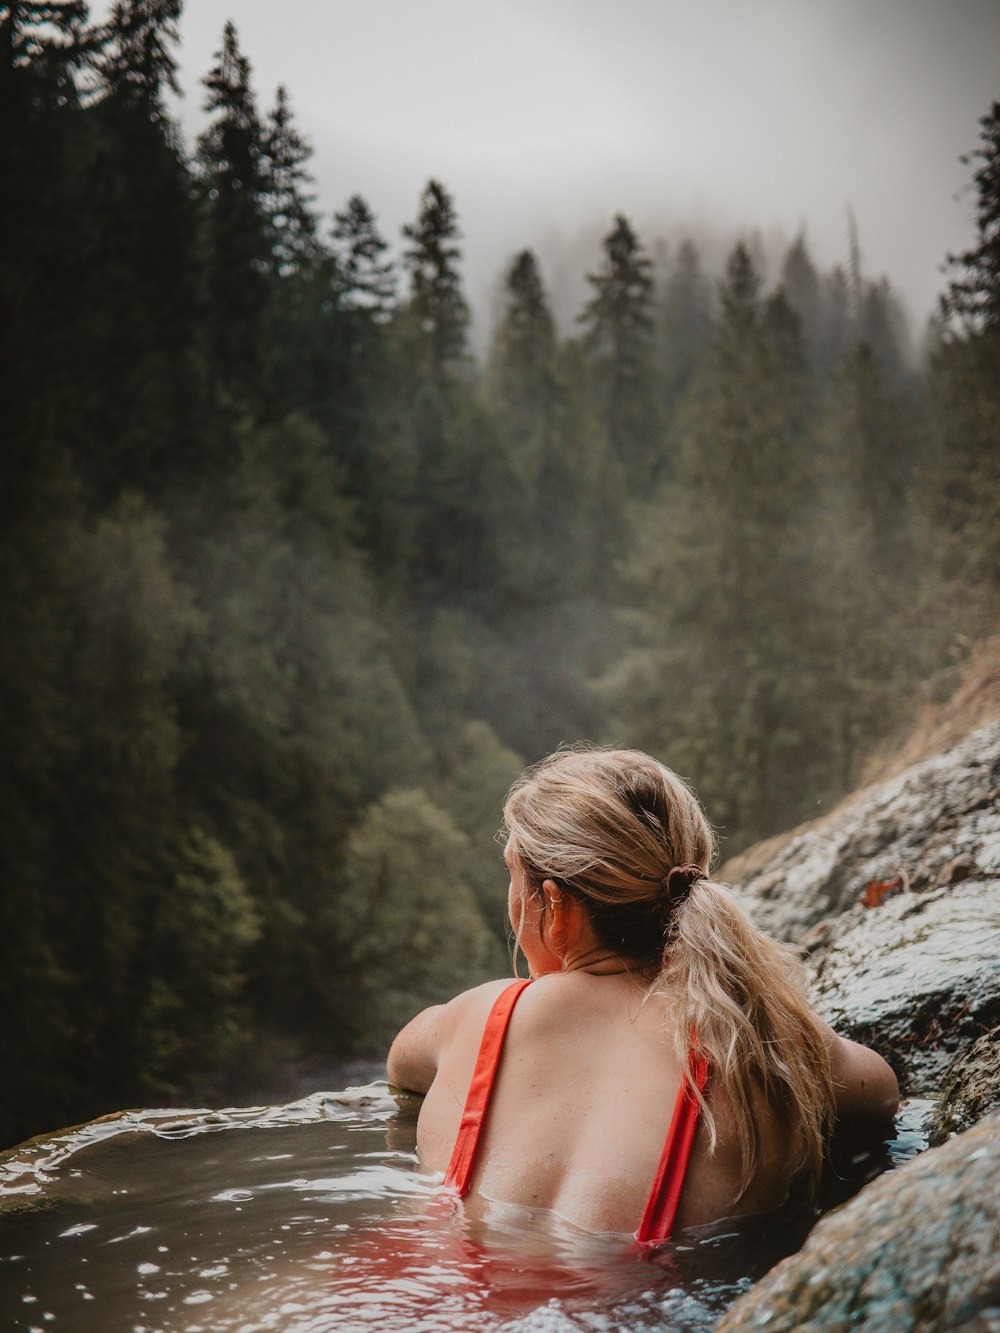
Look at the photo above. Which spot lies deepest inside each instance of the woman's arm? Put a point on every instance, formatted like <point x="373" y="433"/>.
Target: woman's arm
<point x="863" y="1083"/>
<point x="417" y="1052"/>
<point x="413" y="1056"/>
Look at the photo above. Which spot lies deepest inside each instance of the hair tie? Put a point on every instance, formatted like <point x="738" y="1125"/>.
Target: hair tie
<point x="677" y="883"/>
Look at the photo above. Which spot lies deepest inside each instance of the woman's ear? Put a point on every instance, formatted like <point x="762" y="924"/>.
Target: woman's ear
<point x="554" y="920"/>
<point x="553" y="893"/>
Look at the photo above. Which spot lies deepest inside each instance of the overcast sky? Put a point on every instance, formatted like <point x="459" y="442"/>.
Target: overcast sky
<point x="544" y="117"/>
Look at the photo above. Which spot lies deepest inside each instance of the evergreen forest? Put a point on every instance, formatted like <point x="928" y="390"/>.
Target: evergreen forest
<point x="294" y="584"/>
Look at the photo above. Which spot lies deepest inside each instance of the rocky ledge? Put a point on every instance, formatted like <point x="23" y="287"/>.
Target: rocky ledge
<point x="933" y="826"/>
<point x="894" y="900"/>
<point x="918" y="1249"/>
<point x="894" y="903"/>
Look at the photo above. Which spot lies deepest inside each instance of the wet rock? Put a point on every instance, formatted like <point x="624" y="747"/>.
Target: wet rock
<point x="919" y="1249"/>
<point x="971" y="1090"/>
<point x="938" y="822"/>
<point x="917" y="978"/>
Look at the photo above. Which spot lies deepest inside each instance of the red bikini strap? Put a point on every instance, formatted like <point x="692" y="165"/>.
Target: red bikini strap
<point x="661" y="1207"/>
<point x="459" y="1173"/>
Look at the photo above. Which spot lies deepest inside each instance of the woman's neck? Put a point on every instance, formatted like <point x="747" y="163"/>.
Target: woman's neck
<point x="599" y="961"/>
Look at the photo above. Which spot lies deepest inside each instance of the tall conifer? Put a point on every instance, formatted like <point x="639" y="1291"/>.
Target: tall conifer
<point x="618" y="321"/>
<point x="973" y="296"/>
<point x="438" y="310"/>
<point x="234" y="225"/>
<point x="684" y="324"/>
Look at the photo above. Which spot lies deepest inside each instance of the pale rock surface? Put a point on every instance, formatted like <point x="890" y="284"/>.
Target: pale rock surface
<point x="917" y="978"/>
<point x="936" y="823"/>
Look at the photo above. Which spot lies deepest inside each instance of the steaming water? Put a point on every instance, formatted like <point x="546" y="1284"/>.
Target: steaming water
<point x="312" y="1216"/>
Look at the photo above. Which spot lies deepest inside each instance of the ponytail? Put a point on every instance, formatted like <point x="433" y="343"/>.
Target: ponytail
<point x="742" y="995"/>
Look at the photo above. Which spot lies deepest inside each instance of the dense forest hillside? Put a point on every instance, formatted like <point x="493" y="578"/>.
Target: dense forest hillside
<point x="294" y="585"/>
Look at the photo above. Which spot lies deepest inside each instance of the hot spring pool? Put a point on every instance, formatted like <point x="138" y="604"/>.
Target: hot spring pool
<point x="312" y="1216"/>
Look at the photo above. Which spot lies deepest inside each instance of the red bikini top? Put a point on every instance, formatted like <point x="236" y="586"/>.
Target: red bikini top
<point x="661" y="1206"/>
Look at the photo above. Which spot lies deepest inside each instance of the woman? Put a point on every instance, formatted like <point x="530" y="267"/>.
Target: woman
<point x="648" y="984"/>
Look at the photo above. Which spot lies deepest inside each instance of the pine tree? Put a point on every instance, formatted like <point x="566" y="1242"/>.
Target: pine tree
<point x="685" y="322"/>
<point x="836" y="326"/>
<point x="801" y="285"/>
<point x="358" y="289"/>
<point x="882" y="327"/>
<point x="297" y="264"/>
<point x="973" y="297"/>
<point x="618" y="322"/>
<point x="959" y="495"/>
<point x="363" y="279"/>
<point x="879" y="445"/>
<point x="438" y="310"/>
<point x="523" y="353"/>
<point x="286" y="201"/>
<point x="137" y="62"/>
<point x="235" y="233"/>
<point x="43" y="45"/>
<point x="138" y="391"/>
<point x="528" y="398"/>
<point x="553" y="543"/>
<point x="960" y="499"/>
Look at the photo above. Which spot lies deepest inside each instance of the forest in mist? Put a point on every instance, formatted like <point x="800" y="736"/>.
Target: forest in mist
<point x="294" y="585"/>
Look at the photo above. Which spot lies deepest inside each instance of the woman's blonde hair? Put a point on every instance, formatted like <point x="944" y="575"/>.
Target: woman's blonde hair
<point x="608" y="826"/>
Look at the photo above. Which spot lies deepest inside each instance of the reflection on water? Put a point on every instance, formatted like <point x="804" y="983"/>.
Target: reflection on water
<point x="311" y="1217"/>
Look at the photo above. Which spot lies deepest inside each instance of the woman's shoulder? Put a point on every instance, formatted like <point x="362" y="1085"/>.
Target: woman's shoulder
<point x="416" y="1053"/>
<point x="469" y="1005"/>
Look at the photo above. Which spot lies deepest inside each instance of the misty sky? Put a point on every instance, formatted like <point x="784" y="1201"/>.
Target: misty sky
<point x="544" y="117"/>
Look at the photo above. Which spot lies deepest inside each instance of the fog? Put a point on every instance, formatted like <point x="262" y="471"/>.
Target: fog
<point x="543" y="119"/>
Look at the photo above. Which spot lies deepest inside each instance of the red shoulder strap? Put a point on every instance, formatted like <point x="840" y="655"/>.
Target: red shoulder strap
<point x="661" y="1206"/>
<point x="459" y="1173"/>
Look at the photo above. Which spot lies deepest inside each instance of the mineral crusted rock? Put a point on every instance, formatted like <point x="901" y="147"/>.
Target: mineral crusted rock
<point x="894" y="900"/>
<point x="919" y="1249"/>
<point x="917" y="978"/>
<point x="936" y="823"/>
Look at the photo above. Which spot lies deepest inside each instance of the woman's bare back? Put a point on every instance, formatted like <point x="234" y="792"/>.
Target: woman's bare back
<point x="581" y="1107"/>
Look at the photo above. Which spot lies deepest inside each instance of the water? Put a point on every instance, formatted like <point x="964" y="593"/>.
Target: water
<point x="312" y="1216"/>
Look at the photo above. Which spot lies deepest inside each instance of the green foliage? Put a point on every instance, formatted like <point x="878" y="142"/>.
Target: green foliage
<point x="726" y="577"/>
<point x="198" y="935"/>
<point x="413" y="934"/>
<point x="479" y="771"/>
